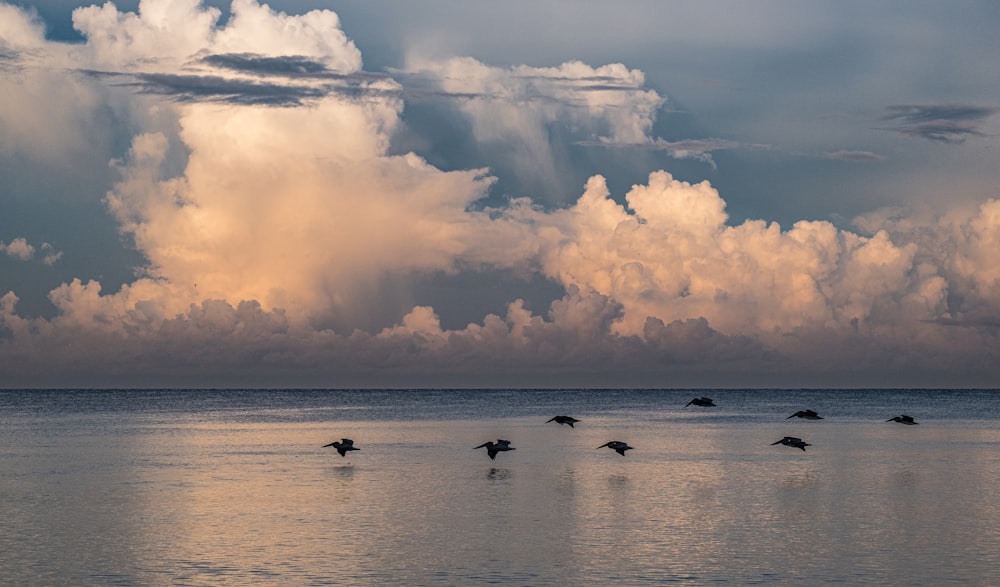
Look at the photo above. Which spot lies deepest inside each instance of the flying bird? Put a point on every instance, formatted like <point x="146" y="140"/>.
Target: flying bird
<point x="345" y="445"/>
<point x="704" y="402"/>
<point x="793" y="442"/>
<point x="492" y="448"/>
<point x="806" y="414"/>
<point x="563" y="420"/>
<point x="617" y="446"/>
<point x="904" y="419"/>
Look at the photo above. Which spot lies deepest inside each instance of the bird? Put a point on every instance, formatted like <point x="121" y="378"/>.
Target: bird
<point x="704" y="402"/>
<point x="617" y="446"/>
<point x="904" y="419"/>
<point x="563" y="420"/>
<point x="793" y="442"/>
<point x="492" y="448"/>
<point x="345" y="445"/>
<point x="806" y="414"/>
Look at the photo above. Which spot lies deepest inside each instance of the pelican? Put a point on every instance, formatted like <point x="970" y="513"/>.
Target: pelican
<point x="563" y="420"/>
<point x="345" y="444"/>
<point x="904" y="419"/>
<point x="492" y="448"/>
<point x="806" y="414"/>
<point x="793" y="442"/>
<point x="617" y="446"/>
<point x="705" y="402"/>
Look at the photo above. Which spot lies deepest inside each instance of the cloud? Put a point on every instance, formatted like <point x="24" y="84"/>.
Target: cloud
<point x="18" y="249"/>
<point x="261" y="185"/>
<point x="945" y="123"/>
<point x="254" y="79"/>
<point x="51" y="255"/>
<point x="853" y="156"/>
<point x="287" y="66"/>
<point x="21" y="250"/>
<point x="177" y="50"/>
<point x="607" y="101"/>
<point x="697" y="149"/>
<point x="514" y="112"/>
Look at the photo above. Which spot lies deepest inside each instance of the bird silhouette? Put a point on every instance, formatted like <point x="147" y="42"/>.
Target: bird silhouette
<point x="345" y="445"/>
<point x="793" y="442"/>
<point x="617" y="446"/>
<point x="705" y="402"/>
<point x="806" y="414"/>
<point x="904" y="419"/>
<point x="563" y="420"/>
<point x="492" y="448"/>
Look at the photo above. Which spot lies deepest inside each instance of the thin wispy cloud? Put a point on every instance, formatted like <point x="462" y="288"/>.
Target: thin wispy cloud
<point x="854" y="156"/>
<point x="945" y="123"/>
<point x="698" y="149"/>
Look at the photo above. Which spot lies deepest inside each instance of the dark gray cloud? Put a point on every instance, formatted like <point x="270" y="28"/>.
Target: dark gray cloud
<point x="214" y="88"/>
<point x="261" y="89"/>
<point x="945" y="123"/>
<point x="9" y="59"/>
<point x="288" y="66"/>
<point x="988" y="324"/>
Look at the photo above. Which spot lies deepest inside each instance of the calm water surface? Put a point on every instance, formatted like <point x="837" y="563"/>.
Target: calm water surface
<point x="233" y="488"/>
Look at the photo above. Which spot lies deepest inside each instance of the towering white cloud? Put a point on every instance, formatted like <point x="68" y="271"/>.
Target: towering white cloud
<point x="515" y="111"/>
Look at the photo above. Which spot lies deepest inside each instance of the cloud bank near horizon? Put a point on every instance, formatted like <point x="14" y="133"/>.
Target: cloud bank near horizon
<point x="261" y="185"/>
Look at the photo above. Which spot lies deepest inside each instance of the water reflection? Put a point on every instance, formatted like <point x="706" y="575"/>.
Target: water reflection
<point x="495" y="474"/>
<point x="342" y="472"/>
<point x="197" y="502"/>
<point x="618" y="483"/>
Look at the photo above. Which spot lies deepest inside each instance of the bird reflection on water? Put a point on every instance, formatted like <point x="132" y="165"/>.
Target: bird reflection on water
<point x="344" y="472"/>
<point x="495" y="474"/>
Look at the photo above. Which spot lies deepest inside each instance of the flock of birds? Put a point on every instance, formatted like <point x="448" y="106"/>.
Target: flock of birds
<point x="345" y="445"/>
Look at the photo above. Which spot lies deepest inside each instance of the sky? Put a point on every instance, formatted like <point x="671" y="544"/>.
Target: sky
<point x="383" y="193"/>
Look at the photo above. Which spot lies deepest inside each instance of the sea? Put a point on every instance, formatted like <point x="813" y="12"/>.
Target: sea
<point x="235" y="487"/>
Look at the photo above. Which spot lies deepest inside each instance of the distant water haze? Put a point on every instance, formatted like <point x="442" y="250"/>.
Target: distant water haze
<point x="234" y="487"/>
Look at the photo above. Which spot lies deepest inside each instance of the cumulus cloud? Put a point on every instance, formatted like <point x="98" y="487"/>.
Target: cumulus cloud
<point x="607" y="101"/>
<point x="18" y="249"/>
<point x="515" y="111"/>
<point x="261" y="186"/>
<point x="21" y="250"/>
